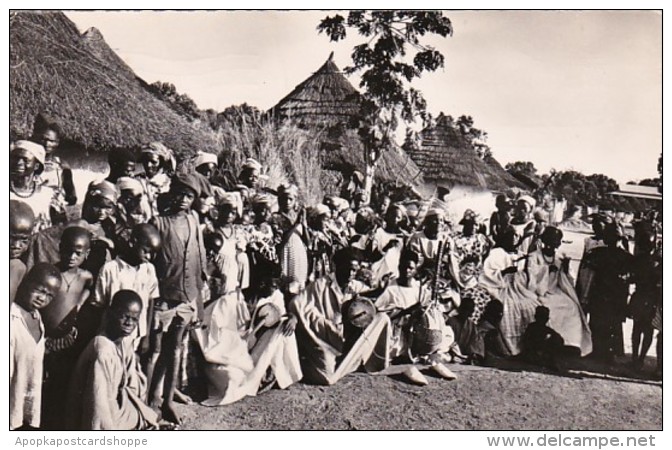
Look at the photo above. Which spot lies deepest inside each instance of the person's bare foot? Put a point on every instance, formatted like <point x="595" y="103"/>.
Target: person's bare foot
<point x="181" y="397"/>
<point x="169" y="413"/>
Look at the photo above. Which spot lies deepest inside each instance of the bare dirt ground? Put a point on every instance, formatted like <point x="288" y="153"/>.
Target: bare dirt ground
<point x="513" y="396"/>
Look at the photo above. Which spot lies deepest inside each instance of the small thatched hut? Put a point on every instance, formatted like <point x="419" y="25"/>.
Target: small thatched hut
<point x="101" y="104"/>
<point x="450" y="164"/>
<point x="329" y="102"/>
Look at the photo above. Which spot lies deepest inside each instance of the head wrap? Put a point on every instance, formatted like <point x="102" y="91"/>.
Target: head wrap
<point x="204" y="158"/>
<point x="102" y="189"/>
<point x="340" y="204"/>
<point x="251" y="163"/>
<point x="157" y="148"/>
<point x="528" y="199"/>
<point x="190" y="180"/>
<point x="321" y="210"/>
<point x="541" y="216"/>
<point x="233" y="199"/>
<point x="35" y="150"/>
<point x="285" y="189"/>
<point x="262" y="199"/>
<point x="129" y="184"/>
<point x="469" y="216"/>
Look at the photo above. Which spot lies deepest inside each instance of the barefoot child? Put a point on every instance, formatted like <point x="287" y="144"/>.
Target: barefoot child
<point x="60" y="323"/>
<point x="180" y="266"/>
<point x="21" y="221"/>
<point x="107" y="388"/>
<point x="132" y="269"/>
<point x="26" y="344"/>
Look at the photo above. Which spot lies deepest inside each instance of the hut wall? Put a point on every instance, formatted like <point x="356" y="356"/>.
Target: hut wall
<point x="461" y="198"/>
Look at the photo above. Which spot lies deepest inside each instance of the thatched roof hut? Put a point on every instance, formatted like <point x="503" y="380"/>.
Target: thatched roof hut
<point x="325" y="98"/>
<point x="447" y="158"/>
<point x="97" y="98"/>
<point x="329" y="102"/>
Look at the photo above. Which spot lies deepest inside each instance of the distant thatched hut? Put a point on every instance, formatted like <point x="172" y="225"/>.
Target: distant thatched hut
<point x="101" y="104"/>
<point x="451" y="167"/>
<point x="329" y="102"/>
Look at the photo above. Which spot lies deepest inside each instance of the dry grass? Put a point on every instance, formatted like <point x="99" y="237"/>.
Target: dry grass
<point x="288" y="153"/>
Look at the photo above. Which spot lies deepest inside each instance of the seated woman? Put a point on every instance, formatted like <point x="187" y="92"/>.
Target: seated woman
<point x="329" y="348"/>
<point x="107" y="387"/>
<point x="502" y="280"/>
<point x="548" y="278"/>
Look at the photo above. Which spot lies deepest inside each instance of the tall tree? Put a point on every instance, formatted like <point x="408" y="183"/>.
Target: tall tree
<point x="391" y="57"/>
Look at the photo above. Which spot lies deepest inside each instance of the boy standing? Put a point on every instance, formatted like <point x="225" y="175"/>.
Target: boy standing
<point x="21" y="221"/>
<point x="60" y="318"/>
<point x="180" y="266"/>
<point x="26" y="344"/>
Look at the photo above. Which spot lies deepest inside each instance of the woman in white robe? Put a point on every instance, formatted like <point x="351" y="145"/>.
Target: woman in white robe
<point x="502" y="279"/>
<point x="551" y="283"/>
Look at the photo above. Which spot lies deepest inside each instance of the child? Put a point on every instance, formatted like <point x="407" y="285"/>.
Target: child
<point x="467" y="335"/>
<point x="232" y="260"/>
<point x="107" y="389"/>
<point x="60" y="318"/>
<point x="26" y="344"/>
<point x="542" y="345"/>
<point x="494" y="343"/>
<point x="132" y="269"/>
<point x="180" y="267"/>
<point x="213" y="245"/>
<point x="21" y="222"/>
<point x="647" y="276"/>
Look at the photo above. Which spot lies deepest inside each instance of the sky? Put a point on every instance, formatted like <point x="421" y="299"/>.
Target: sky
<point x="564" y="89"/>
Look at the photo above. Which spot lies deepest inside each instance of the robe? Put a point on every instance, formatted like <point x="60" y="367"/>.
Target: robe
<point x="519" y="301"/>
<point x="107" y="388"/>
<point x="556" y="291"/>
<point x="234" y="370"/>
<point x="325" y="358"/>
<point x="25" y="371"/>
<point x="396" y="297"/>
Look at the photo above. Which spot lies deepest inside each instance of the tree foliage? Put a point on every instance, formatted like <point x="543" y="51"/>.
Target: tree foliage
<point x="521" y="167"/>
<point x="180" y="103"/>
<point x="391" y="57"/>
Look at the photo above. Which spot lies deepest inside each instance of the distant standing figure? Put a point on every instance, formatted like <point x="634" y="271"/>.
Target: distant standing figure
<point x="57" y="174"/>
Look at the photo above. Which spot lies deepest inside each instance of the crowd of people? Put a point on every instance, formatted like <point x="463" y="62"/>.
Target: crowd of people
<point x="172" y="279"/>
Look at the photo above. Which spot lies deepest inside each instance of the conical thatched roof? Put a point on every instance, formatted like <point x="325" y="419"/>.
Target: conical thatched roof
<point x="327" y="101"/>
<point x="325" y="98"/>
<point x="100" y="103"/>
<point x="444" y="156"/>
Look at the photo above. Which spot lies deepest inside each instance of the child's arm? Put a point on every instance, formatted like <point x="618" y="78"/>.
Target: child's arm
<point x="88" y="286"/>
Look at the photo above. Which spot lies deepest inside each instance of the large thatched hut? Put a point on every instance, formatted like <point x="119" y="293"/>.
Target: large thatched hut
<point x="452" y="168"/>
<point x="100" y="103"/>
<point x="329" y="102"/>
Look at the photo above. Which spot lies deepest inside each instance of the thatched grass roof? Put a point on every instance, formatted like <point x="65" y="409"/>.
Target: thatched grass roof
<point x="325" y="98"/>
<point x="346" y="153"/>
<point x="444" y="156"/>
<point x="100" y="103"/>
<point x="328" y="102"/>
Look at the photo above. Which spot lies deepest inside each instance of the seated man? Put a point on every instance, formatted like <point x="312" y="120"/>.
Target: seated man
<point x="406" y="300"/>
<point x="326" y="357"/>
<point x="107" y="388"/>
